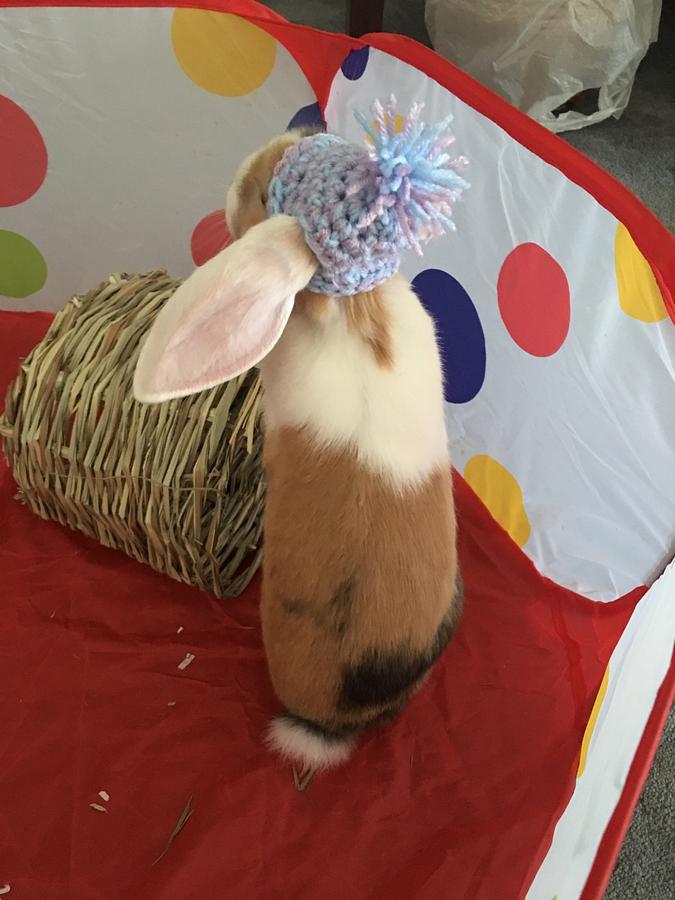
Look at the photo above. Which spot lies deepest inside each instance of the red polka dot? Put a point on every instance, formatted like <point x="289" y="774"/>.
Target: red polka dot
<point x="534" y="300"/>
<point x="210" y="237"/>
<point x="23" y="155"/>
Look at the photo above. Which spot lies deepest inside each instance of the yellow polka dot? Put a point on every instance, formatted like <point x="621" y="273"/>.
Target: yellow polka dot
<point x="501" y="493"/>
<point x="221" y="52"/>
<point x="592" y="719"/>
<point x="639" y="294"/>
<point x="399" y="122"/>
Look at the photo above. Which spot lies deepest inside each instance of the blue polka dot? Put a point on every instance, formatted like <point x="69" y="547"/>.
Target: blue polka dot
<point x="308" y="115"/>
<point x="355" y="65"/>
<point x="460" y="333"/>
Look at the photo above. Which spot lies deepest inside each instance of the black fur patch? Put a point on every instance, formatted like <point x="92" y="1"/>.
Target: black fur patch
<point x="330" y="734"/>
<point x="295" y="607"/>
<point x="335" y="733"/>
<point x="333" y="618"/>
<point x="341" y="606"/>
<point x="382" y="678"/>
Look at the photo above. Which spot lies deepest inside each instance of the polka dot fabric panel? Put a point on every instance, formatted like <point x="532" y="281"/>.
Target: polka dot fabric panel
<point x="121" y="130"/>
<point x="537" y="296"/>
<point x="558" y="353"/>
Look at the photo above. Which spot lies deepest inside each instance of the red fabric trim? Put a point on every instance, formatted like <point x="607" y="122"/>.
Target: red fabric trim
<point x="610" y="845"/>
<point x="656" y="243"/>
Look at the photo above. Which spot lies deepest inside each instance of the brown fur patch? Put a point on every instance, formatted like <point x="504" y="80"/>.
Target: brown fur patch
<point x="330" y="523"/>
<point x="367" y="316"/>
<point x="333" y="617"/>
<point x="253" y="183"/>
<point x="315" y="306"/>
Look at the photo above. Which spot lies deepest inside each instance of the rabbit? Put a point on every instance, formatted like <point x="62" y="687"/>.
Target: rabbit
<point x="361" y="588"/>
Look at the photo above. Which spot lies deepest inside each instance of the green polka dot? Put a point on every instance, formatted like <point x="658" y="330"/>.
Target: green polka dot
<point x="23" y="269"/>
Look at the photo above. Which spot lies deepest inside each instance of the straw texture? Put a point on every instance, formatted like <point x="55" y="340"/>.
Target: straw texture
<point x="178" y="485"/>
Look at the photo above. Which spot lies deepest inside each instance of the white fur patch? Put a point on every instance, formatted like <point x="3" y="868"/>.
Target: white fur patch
<point x="323" y="377"/>
<point x="294" y="743"/>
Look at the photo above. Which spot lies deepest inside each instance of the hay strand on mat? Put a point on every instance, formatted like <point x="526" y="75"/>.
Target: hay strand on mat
<point x="178" y="485"/>
<point x="179" y="826"/>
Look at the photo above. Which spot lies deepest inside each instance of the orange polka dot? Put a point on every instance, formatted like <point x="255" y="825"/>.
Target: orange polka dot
<point x="501" y="493"/>
<point x="222" y="53"/>
<point x="592" y="721"/>
<point x="639" y="294"/>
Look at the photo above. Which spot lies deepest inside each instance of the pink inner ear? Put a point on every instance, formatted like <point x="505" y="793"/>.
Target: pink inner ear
<point x="224" y="341"/>
<point x="227" y="315"/>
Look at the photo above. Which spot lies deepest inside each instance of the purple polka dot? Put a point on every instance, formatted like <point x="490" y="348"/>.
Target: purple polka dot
<point x="355" y="64"/>
<point x="307" y="116"/>
<point x="460" y="333"/>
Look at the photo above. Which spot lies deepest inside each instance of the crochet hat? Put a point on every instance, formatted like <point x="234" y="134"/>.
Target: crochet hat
<point x="360" y="207"/>
<point x="340" y="216"/>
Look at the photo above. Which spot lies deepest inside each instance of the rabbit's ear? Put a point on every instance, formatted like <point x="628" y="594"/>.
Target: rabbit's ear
<point x="227" y="315"/>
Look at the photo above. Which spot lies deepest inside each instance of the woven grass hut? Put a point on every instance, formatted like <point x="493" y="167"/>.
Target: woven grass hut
<point x="178" y="485"/>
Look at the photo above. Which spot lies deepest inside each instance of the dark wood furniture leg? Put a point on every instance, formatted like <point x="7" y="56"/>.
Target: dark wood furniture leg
<point x="364" y="16"/>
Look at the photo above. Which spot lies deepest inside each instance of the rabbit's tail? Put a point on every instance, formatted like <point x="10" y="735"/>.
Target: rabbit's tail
<point x="310" y="744"/>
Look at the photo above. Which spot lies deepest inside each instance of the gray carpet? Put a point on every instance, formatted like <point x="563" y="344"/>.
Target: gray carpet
<point x="639" y="150"/>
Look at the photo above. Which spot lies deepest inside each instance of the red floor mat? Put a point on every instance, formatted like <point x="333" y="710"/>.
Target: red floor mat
<point x="457" y="798"/>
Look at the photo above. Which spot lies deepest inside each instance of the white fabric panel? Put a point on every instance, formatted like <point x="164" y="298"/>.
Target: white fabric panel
<point x="637" y="668"/>
<point x="138" y="152"/>
<point x="588" y="432"/>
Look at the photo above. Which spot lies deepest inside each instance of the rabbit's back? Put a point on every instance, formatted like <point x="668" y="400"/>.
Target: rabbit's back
<point x="359" y="593"/>
<point x="360" y="587"/>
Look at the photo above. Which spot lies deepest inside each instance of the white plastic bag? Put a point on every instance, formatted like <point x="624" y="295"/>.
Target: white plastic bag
<point x="539" y="54"/>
